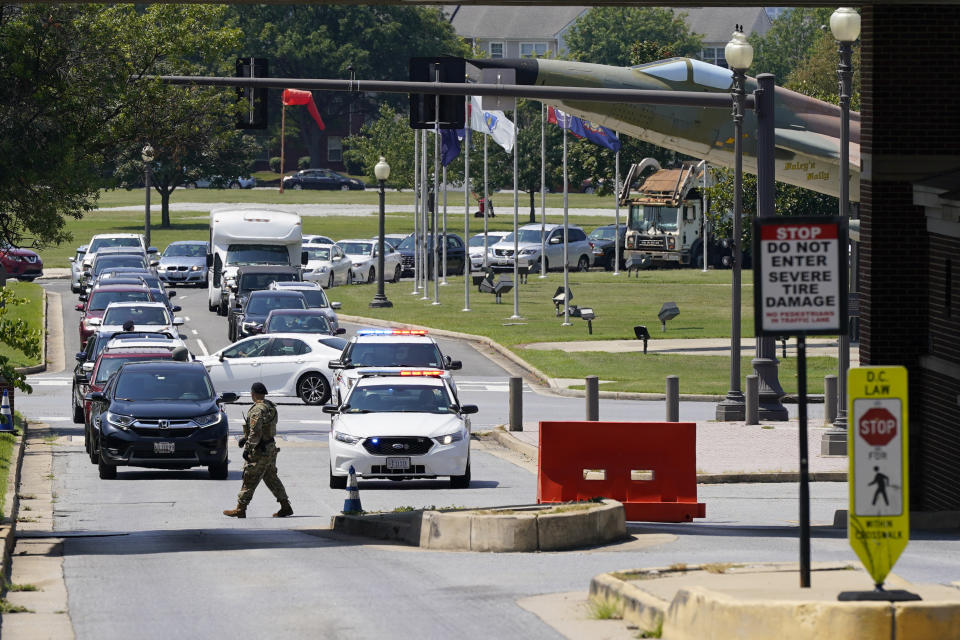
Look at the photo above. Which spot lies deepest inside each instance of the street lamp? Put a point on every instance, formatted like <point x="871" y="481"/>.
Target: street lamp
<point x="382" y="171"/>
<point x="739" y="55"/>
<point x="845" y="25"/>
<point x="147" y="155"/>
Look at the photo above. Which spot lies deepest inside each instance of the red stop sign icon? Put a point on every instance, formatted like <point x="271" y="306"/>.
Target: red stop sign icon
<point x="877" y="426"/>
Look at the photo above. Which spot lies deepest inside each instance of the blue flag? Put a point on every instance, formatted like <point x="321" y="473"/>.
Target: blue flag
<point x="584" y="129"/>
<point x="449" y="146"/>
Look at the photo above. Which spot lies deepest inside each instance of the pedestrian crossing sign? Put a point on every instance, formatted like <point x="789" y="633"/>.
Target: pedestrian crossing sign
<point x="879" y="517"/>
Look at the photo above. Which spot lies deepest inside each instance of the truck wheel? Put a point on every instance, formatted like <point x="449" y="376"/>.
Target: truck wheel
<point x="107" y="471"/>
<point x="313" y="389"/>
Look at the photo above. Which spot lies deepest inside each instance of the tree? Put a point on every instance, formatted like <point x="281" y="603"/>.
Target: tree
<point x="18" y="336"/>
<point x="607" y="35"/>
<point x="322" y="41"/>
<point x="389" y="136"/>
<point x="816" y="74"/>
<point x="788" y="41"/>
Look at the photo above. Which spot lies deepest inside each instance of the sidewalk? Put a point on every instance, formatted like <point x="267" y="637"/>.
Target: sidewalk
<point x="732" y="451"/>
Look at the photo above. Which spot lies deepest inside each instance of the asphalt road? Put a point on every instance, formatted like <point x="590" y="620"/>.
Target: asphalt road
<point x="151" y="552"/>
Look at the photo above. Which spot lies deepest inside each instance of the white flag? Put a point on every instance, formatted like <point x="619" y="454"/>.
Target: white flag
<point x="492" y="123"/>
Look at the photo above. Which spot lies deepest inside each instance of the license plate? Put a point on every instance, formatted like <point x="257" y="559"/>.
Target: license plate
<point x="398" y="463"/>
<point x="163" y="447"/>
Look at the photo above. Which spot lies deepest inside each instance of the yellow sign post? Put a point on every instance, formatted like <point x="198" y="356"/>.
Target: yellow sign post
<point x="879" y="521"/>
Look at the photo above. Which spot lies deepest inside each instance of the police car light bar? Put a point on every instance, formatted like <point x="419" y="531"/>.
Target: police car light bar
<point x="392" y="332"/>
<point x="431" y="373"/>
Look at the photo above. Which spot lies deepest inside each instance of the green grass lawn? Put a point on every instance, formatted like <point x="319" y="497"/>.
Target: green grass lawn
<point x="31" y="313"/>
<point x="6" y="453"/>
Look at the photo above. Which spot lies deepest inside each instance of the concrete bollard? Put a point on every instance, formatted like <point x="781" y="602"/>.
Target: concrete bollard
<point x="593" y="398"/>
<point x="673" y="399"/>
<point x="829" y="399"/>
<point x="752" y="400"/>
<point x="516" y="403"/>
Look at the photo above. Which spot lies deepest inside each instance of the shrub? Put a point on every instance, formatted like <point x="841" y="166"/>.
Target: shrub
<point x="275" y="164"/>
<point x="303" y="162"/>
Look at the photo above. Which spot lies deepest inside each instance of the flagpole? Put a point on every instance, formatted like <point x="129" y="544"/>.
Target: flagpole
<point x="486" y="207"/>
<point x="703" y="209"/>
<point x="467" y="264"/>
<point x="444" y="281"/>
<point x="283" y="128"/>
<point x="425" y="221"/>
<point x="543" y="190"/>
<point x="516" y="220"/>
<point x="436" y="197"/>
<point x="616" y="227"/>
<point x="566" y="220"/>
<point x="416" y="212"/>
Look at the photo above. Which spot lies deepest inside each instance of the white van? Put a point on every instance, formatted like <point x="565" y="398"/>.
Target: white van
<point x="249" y="237"/>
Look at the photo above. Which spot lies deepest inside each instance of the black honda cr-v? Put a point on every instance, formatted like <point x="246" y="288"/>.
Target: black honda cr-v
<point x="163" y="415"/>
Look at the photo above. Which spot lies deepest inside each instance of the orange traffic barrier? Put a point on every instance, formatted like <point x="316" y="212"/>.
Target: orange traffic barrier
<point x="648" y="466"/>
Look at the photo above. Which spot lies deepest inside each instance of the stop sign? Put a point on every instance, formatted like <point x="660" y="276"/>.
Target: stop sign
<point x="877" y="426"/>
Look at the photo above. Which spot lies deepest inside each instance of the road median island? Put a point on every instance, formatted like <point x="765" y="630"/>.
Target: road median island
<point x="763" y="600"/>
<point x="542" y="527"/>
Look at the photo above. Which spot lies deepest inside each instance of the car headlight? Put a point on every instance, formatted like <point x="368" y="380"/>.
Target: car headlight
<point x="345" y="437"/>
<point x="450" y="438"/>
<point x="120" y="421"/>
<point x="196" y="267"/>
<point x="358" y="264"/>
<point x="209" y="420"/>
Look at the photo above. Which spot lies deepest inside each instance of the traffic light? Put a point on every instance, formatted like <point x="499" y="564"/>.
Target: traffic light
<point x="422" y="106"/>
<point x="253" y="114"/>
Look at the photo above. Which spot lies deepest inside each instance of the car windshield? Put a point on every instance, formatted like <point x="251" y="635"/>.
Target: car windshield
<point x="319" y="253"/>
<point x="138" y="315"/>
<point x="526" y="235"/>
<point x="316" y="298"/>
<point x="281" y="323"/>
<point x="190" y="383"/>
<point x="260" y="281"/>
<point x="356" y="248"/>
<point x="185" y="250"/>
<point x="477" y="241"/>
<point x="101" y="243"/>
<point x="603" y="233"/>
<point x="107" y="262"/>
<point x="257" y="254"/>
<point x="397" y="354"/>
<point x="109" y="366"/>
<point x="101" y="299"/>
<point x="262" y="305"/>
<point x="386" y="398"/>
<point x="650" y="218"/>
<point x="407" y="244"/>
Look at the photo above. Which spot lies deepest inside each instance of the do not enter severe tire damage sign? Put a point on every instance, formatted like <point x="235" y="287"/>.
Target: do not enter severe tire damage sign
<point x="879" y="521"/>
<point x="800" y="275"/>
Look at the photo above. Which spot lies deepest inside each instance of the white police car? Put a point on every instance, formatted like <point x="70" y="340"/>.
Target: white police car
<point x="400" y="425"/>
<point x="389" y="349"/>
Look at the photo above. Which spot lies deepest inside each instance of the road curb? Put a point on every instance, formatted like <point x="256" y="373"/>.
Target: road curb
<point x="696" y="611"/>
<point x="8" y="526"/>
<point x="541" y="378"/>
<point x="521" y="528"/>
<point x="508" y="440"/>
<point x="38" y="368"/>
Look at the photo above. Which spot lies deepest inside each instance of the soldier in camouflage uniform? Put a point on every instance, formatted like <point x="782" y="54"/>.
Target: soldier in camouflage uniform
<point x="260" y="455"/>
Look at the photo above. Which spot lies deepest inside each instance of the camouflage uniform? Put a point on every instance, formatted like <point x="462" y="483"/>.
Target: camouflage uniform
<point x="260" y="429"/>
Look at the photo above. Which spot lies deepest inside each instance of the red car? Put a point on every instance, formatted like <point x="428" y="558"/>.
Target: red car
<point x="94" y="305"/>
<point x="22" y="264"/>
<point x="108" y="363"/>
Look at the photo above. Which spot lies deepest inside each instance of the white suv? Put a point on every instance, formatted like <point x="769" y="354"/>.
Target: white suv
<point x="146" y="316"/>
<point x="107" y="240"/>
<point x="401" y="427"/>
<point x="389" y="350"/>
<point x="579" y="251"/>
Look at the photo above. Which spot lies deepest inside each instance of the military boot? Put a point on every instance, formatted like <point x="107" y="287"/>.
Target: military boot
<point x="285" y="510"/>
<point x="239" y="512"/>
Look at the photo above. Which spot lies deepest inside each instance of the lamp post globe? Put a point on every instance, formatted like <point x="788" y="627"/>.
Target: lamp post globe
<point x="738" y="52"/>
<point x="845" y="24"/>
<point x="382" y="171"/>
<point x="147" y="155"/>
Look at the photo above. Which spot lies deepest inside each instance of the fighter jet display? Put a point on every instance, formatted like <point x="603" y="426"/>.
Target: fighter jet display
<point x="807" y="129"/>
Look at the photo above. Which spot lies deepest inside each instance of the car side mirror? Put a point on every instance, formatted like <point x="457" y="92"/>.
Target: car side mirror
<point x="153" y="250"/>
<point x="171" y="293"/>
<point x="95" y="396"/>
<point x="304" y="257"/>
<point x="340" y="331"/>
<point x="177" y="322"/>
<point x="330" y="409"/>
<point x="335" y="305"/>
<point x="71" y="259"/>
<point x="80" y="307"/>
<point x="175" y="309"/>
<point x="81" y="356"/>
<point x="220" y="357"/>
<point x="95" y="322"/>
<point x="454" y="365"/>
<point x="228" y="396"/>
<point x="87" y="272"/>
<point x="469" y="408"/>
<point x="336" y="258"/>
<point x="335" y="364"/>
<point x="556" y="240"/>
<point x="209" y="259"/>
<point x="86" y="367"/>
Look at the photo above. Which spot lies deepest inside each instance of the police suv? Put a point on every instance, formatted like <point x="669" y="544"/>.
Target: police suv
<point x="400" y="424"/>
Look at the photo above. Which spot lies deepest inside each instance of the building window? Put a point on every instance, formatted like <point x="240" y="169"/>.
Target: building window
<point x="533" y="49"/>
<point x="334" y="149"/>
<point x="713" y="55"/>
<point x="496" y="49"/>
